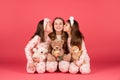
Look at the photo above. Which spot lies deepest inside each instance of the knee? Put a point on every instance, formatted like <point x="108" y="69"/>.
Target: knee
<point x="85" y="69"/>
<point x="51" y="66"/>
<point x="63" y="66"/>
<point x="73" y="68"/>
<point x="40" y="68"/>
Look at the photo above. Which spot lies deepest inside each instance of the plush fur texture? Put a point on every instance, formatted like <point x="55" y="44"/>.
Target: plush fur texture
<point x="80" y="61"/>
<point x="57" y="50"/>
<point x="55" y="56"/>
<point x="40" y="52"/>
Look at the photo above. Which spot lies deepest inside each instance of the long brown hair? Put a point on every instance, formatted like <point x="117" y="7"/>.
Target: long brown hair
<point x="40" y="31"/>
<point x="76" y="34"/>
<point x="64" y="35"/>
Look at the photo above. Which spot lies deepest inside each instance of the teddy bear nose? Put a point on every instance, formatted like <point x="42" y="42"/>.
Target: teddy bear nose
<point x="41" y="51"/>
<point x="56" y="47"/>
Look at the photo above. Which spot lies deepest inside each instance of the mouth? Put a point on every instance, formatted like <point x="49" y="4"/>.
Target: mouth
<point x="58" y="27"/>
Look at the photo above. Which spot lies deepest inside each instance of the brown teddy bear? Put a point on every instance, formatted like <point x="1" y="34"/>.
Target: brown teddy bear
<point x="57" y="49"/>
<point x="56" y="55"/>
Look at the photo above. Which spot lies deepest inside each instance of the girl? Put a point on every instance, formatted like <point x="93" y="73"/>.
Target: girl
<point x="44" y="27"/>
<point x="76" y="38"/>
<point x="57" y="34"/>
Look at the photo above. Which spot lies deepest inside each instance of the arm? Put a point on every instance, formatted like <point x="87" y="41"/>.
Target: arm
<point x="29" y="47"/>
<point x="83" y="55"/>
<point x="68" y="42"/>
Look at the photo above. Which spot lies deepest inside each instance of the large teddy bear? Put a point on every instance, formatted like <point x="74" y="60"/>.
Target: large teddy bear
<point x="40" y="52"/>
<point x="55" y="56"/>
<point x="80" y="61"/>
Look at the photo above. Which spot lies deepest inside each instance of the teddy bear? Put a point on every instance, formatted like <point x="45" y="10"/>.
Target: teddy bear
<point x="40" y="52"/>
<point x="55" y="55"/>
<point x="80" y="61"/>
<point x="75" y="53"/>
<point x="57" y="49"/>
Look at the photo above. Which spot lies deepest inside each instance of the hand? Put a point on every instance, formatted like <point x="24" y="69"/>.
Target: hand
<point x="36" y="60"/>
<point x="31" y="65"/>
<point x="78" y="63"/>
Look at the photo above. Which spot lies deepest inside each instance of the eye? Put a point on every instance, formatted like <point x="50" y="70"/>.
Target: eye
<point x="55" y="23"/>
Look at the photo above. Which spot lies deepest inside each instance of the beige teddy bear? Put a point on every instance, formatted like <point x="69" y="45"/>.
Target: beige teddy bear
<point x="80" y="61"/>
<point x="75" y="53"/>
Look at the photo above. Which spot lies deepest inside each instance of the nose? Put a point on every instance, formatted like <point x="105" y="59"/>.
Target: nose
<point x="56" y="47"/>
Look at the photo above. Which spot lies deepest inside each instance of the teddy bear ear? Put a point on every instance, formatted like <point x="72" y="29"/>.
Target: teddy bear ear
<point x="62" y="41"/>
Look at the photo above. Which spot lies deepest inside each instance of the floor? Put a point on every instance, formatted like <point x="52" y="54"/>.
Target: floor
<point x="100" y="71"/>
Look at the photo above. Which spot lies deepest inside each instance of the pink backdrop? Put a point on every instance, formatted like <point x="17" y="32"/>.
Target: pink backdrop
<point x="99" y="21"/>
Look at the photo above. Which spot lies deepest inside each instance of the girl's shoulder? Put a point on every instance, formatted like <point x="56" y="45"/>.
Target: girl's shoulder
<point x="35" y="38"/>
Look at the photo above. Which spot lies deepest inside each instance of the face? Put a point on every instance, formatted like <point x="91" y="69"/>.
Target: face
<point x="67" y="27"/>
<point x="58" y="25"/>
<point x="48" y="27"/>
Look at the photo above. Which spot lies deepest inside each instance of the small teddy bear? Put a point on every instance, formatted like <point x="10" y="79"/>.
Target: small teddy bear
<point x="56" y="55"/>
<point x="75" y="53"/>
<point x="57" y="50"/>
<point x="40" y="52"/>
<point x="80" y="61"/>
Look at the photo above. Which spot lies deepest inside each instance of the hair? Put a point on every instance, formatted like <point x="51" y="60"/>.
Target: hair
<point x="40" y="31"/>
<point x="64" y="36"/>
<point x="76" y="35"/>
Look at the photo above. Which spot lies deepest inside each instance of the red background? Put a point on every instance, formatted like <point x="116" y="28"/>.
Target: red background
<point x="99" y="21"/>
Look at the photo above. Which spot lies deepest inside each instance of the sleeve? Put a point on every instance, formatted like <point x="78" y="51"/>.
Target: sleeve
<point x="84" y="53"/>
<point x="84" y="48"/>
<point x="29" y="47"/>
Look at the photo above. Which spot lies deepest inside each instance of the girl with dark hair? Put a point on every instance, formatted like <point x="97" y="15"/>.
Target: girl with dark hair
<point x="44" y="27"/>
<point x="76" y="38"/>
<point x="57" y="34"/>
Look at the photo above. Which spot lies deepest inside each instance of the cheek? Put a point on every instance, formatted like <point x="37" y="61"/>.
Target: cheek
<point x="55" y="27"/>
<point x="62" y="27"/>
<point x="66" y="28"/>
